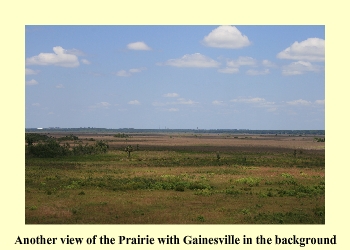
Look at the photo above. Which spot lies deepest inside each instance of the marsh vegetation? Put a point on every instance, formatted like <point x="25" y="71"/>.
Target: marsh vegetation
<point x="176" y="178"/>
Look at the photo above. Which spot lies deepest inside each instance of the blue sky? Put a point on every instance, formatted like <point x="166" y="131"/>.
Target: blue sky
<point x="178" y="77"/>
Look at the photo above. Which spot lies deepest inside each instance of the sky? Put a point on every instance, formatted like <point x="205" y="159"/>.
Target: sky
<point x="176" y="77"/>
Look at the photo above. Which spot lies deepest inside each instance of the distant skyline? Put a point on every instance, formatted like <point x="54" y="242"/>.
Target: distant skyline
<point x="178" y="77"/>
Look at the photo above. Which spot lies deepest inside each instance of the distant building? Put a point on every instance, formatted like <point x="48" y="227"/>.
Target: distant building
<point x="39" y="128"/>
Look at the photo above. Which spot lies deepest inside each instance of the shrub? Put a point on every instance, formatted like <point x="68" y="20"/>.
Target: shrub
<point x="250" y="181"/>
<point x="68" y="138"/>
<point x="34" y="137"/>
<point x="119" y="135"/>
<point x="51" y="148"/>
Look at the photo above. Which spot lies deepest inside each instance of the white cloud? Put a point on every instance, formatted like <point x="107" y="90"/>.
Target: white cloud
<point x="320" y="102"/>
<point x="75" y="52"/>
<point x="228" y="37"/>
<point x="60" y="86"/>
<point x="104" y="104"/>
<point x="249" y="100"/>
<point x="299" y="102"/>
<point x="84" y="61"/>
<point x="138" y="46"/>
<point x="269" y="64"/>
<point x="185" y="102"/>
<point x="171" y="95"/>
<point x="123" y="73"/>
<point x="179" y="101"/>
<point x="31" y="71"/>
<point x="254" y="72"/>
<point x="217" y="102"/>
<point x="311" y="49"/>
<point x="137" y="70"/>
<point x="134" y="102"/>
<point x="299" y="67"/>
<point x="196" y="60"/>
<point x="257" y="102"/>
<point x="100" y="105"/>
<point x="241" y="61"/>
<point x="60" y="58"/>
<point x="32" y="82"/>
<point x="232" y="66"/>
<point x="228" y="70"/>
<point x="129" y="72"/>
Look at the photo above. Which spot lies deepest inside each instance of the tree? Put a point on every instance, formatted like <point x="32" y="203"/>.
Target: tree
<point x="128" y="149"/>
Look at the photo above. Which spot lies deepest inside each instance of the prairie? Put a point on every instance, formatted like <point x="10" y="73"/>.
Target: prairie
<point x="179" y="178"/>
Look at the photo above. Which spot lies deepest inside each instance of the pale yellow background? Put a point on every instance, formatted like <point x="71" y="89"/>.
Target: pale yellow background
<point x="16" y="14"/>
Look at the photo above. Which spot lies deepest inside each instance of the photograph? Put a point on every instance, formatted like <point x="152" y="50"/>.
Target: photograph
<point x="174" y="125"/>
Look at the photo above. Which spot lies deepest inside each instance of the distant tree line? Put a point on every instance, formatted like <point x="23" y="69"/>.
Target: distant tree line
<point x="134" y="130"/>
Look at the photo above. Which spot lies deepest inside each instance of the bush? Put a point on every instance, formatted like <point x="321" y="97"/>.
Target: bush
<point x="68" y="138"/>
<point x="51" y="148"/>
<point x="100" y="147"/>
<point x="34" y="137"/>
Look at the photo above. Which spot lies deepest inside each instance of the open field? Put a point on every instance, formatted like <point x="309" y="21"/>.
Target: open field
<point x="180" y="178"/>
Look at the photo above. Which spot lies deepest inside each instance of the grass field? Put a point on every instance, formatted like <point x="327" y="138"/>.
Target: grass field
<point x="181" y="179"/>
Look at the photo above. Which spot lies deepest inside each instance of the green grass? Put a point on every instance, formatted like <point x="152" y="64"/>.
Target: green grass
<point x="176" y="187"/>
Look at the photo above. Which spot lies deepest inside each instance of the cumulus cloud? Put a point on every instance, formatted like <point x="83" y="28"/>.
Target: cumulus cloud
<point x="171" y="95"/>
<point x="129" y="72"/>
<point x="299" y="67"/>
<point x="249" y="100"/>
<point x="103" y="105"/>
<point x="136" y="70"/>
<point x="216" y="102"/>
<point x="138" y="46"/>
<point x="60" y="57"/>
<point x="268" y="64"/>
<point x="84" y="61"/>
<point x="179" y="101"/>
<point x="59" y="86"/>
<point x="123" y="73"/>
<point x="32" y="82"/>
<point x="31" y="71"/>
<point x="320" y="102"/>
<point x="185" y="102"/>
<point x="228" y="37"/>
<point x="311" y="49"/>
<point x="257" y="102"/>
<point x="228" y="70"/>
<point x="134" y="102"/>
<point x="299" y="102"/>
<point x="75" y="52"/>
<point x="196" y="60"/>
<point x="232" y="66"/>
<point x="242" y="61"/>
